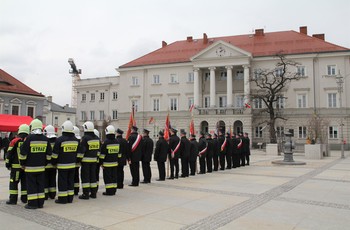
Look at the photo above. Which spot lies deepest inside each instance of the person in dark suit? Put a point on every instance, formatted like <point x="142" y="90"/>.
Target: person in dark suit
<point x="240" y="150"/>
<point x="135" y="143"/>
<point x="147" y="152"/>
<point x="235" y="154"/>
<point x="229" y="148"/>
<point x="216" y="152"/>
<point x="210" y="152"/>
<point x="223" y="148"/>
<point x="123" y="153"/>
<point x="174" y="154"/>
<point x="246" y="147"/>
<point x="202" y="148"/>
<point x="160" y="155"/>
<point x="193" y="154"/>
<point x="185" y="154"/>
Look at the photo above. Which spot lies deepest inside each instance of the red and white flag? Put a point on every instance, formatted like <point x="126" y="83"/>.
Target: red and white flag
<point x="151" y="120"/>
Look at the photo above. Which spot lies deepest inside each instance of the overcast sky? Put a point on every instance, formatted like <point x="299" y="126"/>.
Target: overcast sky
<point x="38" y="36"/>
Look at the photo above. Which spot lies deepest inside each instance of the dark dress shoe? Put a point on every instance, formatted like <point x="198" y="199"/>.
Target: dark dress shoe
<point x="170" y="178"/>
<point x="144" y="182"/>
<point x="30" y="207"/>
<point x="160" y="180"/>
<point x="11" y="202"/>
<point x="107" y="194"/>
<point x="84" y="197"/>
<point x="93" y="196"/>
<point x="183" y="176"/>
<point x="60" y="202"/>
<point x="133" y="185"/>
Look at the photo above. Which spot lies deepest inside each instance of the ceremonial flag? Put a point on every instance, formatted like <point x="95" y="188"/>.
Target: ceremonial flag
<point x="132" y="122"/>
<point x="191" y="107"/>
<point x="247" y="105"/>
<point x="151" y="120"/>
<point x="167" y="127"/>
<point x="192" y="131"/>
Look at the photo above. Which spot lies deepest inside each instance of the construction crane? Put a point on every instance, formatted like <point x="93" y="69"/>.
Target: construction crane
<point x="75" y="78"/>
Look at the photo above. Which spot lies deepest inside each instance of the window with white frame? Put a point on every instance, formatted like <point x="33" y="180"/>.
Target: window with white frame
<point x="102" y="115"/>
<point x="258" y="132"/>
<point x="279" y="72"/>
<point x="331" y="70"/>
<point x="102" y="96"/>
<point x="156" y="79"/>
<point x="332" y="100"/>
<point x="239" y="101"/>
<point x="190" y="77"/>
<point x="222" y="101"/>
<point x="301" y="100"/>
<point x="134" y="81"/>
<point x="280" y="103"/>
<point x="301" y="71"/>
<point x="31" y="111"/>
<point x="114" y="114"/>
<point x="15" y="110"/>
<point x="83" y="97"/>
<point x="239" y="74"/>
<point x="206" y="76"/>
<point x="258" y="103"/>
<point x="135" y="105"/>
<point x="332" y="132"/>
<point x="206" y="102"/>
<point x="173" y="78"/>
<point x="115" y="95"/>
<point x="156" y="104"/>
<point x="223" y="75"/>
<point x="83" y="115"/>
<point x="302" y="132"/>
<point x="92" y="115"/>
<point x="190" y="102"/>
<point x="280" y="131"/>
<point x="56" y="121"/>
<point x="92" y="97"/>
<point x="257" y="73"/>
<point x="173" y="104"/>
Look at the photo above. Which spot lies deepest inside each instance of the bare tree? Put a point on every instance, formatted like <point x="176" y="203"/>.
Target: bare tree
<point x="269" y="85"/>
<point x="317" y="129"/>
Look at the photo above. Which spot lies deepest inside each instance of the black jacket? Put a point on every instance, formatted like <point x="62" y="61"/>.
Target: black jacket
<point x="161" y="151"/>
<point x="65" y="151"/>
<point x="229" y="145"/>
<point x="194" y="150"/>
<point x="136" y="154"/>
<point x="216" y="148"/>
<point x="246" y="145"/>
<point x="210" y="149"/>
<point x="202" y="145"/>
<point x="185" y="147"/>
<point x="173" y="143"/>
<point x="109" y="156"/>
<point x="123" y="150"/>
<point x="90" y="147"/>
<point x="223" y="149"/>
<point x="147" y="150"/>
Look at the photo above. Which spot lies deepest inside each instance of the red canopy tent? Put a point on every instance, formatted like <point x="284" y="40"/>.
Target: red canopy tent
<point x="10" y="123"/>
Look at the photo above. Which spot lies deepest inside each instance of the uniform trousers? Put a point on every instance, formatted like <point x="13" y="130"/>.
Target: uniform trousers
<point x="110" y="179"/>
<point x="185" y="166"/>
<point x="36" y="189"/>
<point x="76" y="180"/>
<point x="88" y="178"/>
<point x="135" y="172"/>
<point x="193" y="167"/>
<point x="161" y="170"/>
<point x="222" y="161"/>
<point x="146" y="170"/>
<point x="17" y="176"/>
<point x="50" y="183"/>
<point x="216" y="162"/>
<point x="202" y="164"/>
<point x="120" y="176"/>
<point x="66" y="185"/>
<point x="174" y="168"/>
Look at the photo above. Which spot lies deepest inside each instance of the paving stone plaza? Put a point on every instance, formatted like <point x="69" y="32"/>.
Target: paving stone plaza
<point x="259" y="196"/>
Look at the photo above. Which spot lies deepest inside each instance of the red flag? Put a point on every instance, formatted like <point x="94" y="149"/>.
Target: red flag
<point x="167" y="127"/>
<point x="132" y="122"/>
<point x="192" y="127"/>
<point x="151" y="120"/>
<point x="247" y="105"/>
<point x="191" y="107"/>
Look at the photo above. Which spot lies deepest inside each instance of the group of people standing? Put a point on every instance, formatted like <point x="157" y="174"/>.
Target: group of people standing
<point x="40" y="161"/>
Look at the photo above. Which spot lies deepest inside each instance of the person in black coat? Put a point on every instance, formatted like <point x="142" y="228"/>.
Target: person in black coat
<point x="210" y="153"/>
<point x="147" y="152"/>
<point x="202" y="148"/>
<point x="185" y="154"/>
<point x="246" y="147"/>
<point x="216" y="152"/>
<point x="223" y="147"/>
<point x="174" y="154"/>
<point x="235" y="154"/>
<point x="229" y="151"/>
<point x="135" y="143"/>
<point x="193" y="154"/>
<point x="240" y="150"/>
<point x="123" y="153"/>
<point x="160" y="155"/>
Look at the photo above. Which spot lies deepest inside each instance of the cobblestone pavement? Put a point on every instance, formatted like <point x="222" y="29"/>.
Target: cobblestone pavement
<point x="260" y="196"/>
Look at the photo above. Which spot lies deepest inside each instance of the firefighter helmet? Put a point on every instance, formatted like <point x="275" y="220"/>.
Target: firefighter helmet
<point x="97" y="133"/>
<point x="49" y="131"/>
<point x="110" y="129"/>
<point x="36" y="124"/>
<point x="67" y="127"/>
<point x="88" y="126"/>
<point x="76" y="132"/>
<point x="24" y="128"/>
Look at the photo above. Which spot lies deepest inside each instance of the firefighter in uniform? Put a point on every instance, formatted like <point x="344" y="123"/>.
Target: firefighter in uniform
<point x="64" y="156"/>
<point x="97" y="134"/>
<point x="185" y="149"/>
<point x="90" y="148"/>
<point x="235" y="153"/>
<point x="222" y="145"/>
<point x="35" y="152"/>
<point x="202" y="148"/>
<point x="78" y="162"/>
<point x="160" y="155"/>
<point x="193" y="154"/>
<point x="229" y="148"/>
<point x="123" y="152"/>
<point x="135" y="143"/>
<point x="12" y="163"/>
<point x="210" y="153"/>
<point x="174" y="154"/>
<point x="109" y="161"/>
<point x="246" y="148"/>
<point x="50" y="169"/>
<point x="147" y="157"/>
<point x="216" y="152"/>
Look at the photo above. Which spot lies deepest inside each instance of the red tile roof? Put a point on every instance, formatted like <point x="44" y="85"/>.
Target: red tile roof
<point x="11" y="85"/>
<point x="268" y="44"/>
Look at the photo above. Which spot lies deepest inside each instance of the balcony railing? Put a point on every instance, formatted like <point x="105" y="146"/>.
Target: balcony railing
<point x="220" y="111"/>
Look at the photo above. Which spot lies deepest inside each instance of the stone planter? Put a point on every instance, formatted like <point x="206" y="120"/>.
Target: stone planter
<point x="272" y="149"/>
<point x="313" y="151"/>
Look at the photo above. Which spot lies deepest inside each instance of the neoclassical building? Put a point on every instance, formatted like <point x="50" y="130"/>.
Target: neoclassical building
<point x="213" y="74"/>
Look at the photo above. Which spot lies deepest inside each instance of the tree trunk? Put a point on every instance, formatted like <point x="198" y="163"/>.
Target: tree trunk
<point x="273" y="139"/>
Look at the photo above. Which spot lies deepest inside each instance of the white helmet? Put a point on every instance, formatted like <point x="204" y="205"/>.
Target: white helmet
<point x="49" y="131"/>
<point x="110" y="129"/>
<point x="76" y="132"/>
<point x="97" y="133"/>
<point x="67" y="127"/>
<point x="88" y="126"/>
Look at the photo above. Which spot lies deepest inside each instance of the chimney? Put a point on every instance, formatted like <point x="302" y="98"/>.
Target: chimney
<point x="259" y="32"/>
<point x="189" y="39"/>
<point x="303" y="30"/>
<point x="205" y="38"/>
<point x="319" y="36"/>
<point x="164" y="44"/>
<point x="49" y="98"/>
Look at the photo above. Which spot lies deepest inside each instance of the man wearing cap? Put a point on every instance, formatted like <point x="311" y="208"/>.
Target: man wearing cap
<point x="174" y="154"/>
<point x="147" y="151"/>
<point x="202" y="148"/>
<point x="184" y="153"/>
<point x="135" y="143"/>
<point x="229" y="148"/>
<point x="123" y="152"/>
<point x="209" y="156"/>
<point x="246" y="148"/>
<point x="216" y="152"/>
<point x="193" y="154"/>
<point x="235" y="153"/>
<point x="160" y="155"/>
<point x="223" y="146"/>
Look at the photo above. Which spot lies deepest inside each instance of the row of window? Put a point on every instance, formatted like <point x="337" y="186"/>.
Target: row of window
<point x="302" y="132"/>
<point x="92" y="117"/>
<point x="102" y="96"/>
<point x="16" y="110"/>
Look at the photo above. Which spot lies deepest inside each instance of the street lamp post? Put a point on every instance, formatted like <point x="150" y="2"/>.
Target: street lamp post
<point x="340" y="82"/>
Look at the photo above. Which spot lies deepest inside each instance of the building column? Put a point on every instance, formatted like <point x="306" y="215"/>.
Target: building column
<point x="196" y="87"/>
<point x="246" y="84"/>
<point x="212" y="87"/>
<point x="229" y="86"/>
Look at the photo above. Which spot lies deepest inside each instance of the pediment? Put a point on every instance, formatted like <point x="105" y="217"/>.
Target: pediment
<point x="16" y="101"/>
<point x="221" y="50"/>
